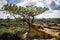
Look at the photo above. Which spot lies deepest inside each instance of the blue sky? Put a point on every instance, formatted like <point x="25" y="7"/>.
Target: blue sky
<point x="53" y="5"/>
<point x="13" y="1"/>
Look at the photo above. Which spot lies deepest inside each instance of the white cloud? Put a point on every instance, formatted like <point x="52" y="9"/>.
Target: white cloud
<point x="4" y="15"/>
<point x="42" y="3"/>
<point x="57" y="2"/>
<point x="33" y="2"/>
<point x="2" y="2"/>
<point x="49" y="14"/>
<point x="37" y="2"/>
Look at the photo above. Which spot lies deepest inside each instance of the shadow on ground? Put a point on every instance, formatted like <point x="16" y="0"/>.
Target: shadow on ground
<point x="9" y="36"/>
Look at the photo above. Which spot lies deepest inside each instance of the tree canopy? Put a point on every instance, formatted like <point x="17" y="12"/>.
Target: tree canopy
<point x="27" y="13"/>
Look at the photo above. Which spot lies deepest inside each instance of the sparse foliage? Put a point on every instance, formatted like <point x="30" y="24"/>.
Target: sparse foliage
<point x="26" y="13"/>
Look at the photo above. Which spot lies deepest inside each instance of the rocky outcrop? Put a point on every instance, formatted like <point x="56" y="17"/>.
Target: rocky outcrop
<point x="42" y="31"/>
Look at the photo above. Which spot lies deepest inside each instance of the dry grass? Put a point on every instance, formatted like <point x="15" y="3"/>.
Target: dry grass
<point x="12" y="30"/>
